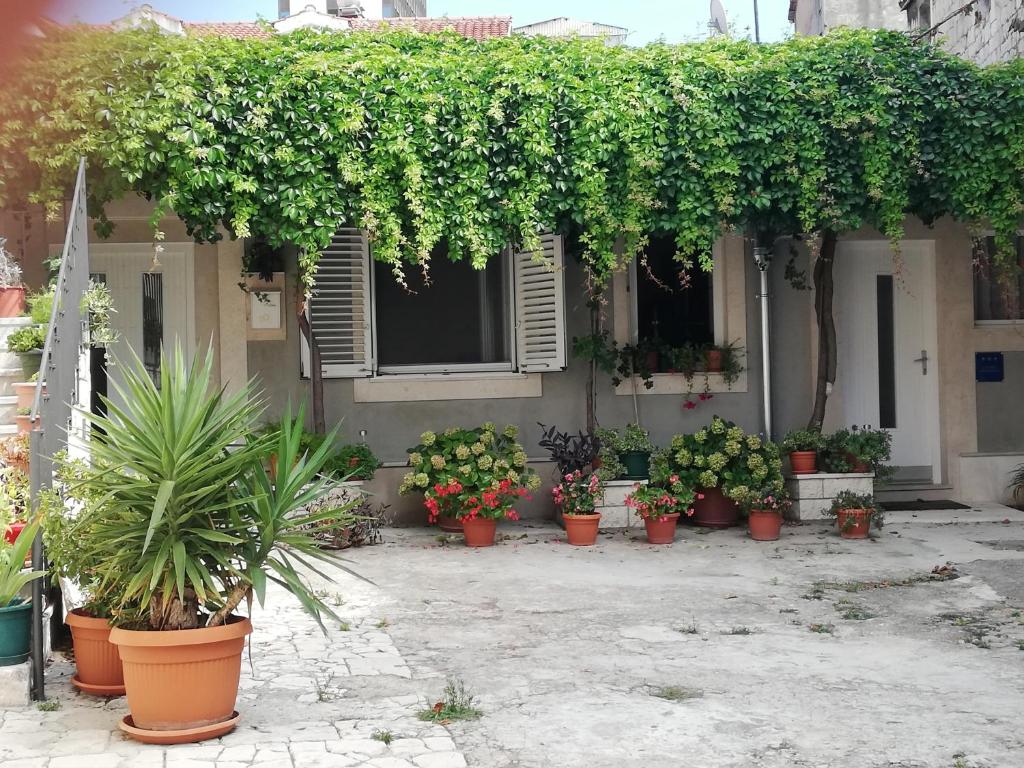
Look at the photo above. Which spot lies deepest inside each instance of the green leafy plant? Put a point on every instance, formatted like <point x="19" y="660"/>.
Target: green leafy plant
<point x="457" y="703"/>
<point x="422" y="137"/>
<point x="187" y="523"/>
<point x="14" y="494"/>
<point x="353" y="462"/>
<point x="844" y="447"/>
<point x="802" y="440"/>
<point x="660" y="500"/>
<point x="721" y="455"/>
<point x="470" y="472"/>
<point x="852" y="500"/>
<point x="578" y="493"/>
<point x="732" y="365"/>
<point x="98" y="304"/>
<point x="28" y="338"/>
<point x="12" y="563"/>
<point x="630" y="439"/>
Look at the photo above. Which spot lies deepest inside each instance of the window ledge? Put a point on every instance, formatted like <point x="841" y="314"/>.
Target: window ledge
<point x="997" y="323"/>
<point x="447" y="386"/>
<point x="676" y="384"/>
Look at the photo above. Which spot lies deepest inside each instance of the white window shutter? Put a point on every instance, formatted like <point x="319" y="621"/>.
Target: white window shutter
<point x="540" y="307"/>
<point x="339" y="311"/>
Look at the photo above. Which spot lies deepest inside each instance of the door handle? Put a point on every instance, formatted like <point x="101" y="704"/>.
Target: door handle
<point x="923" y="360"/>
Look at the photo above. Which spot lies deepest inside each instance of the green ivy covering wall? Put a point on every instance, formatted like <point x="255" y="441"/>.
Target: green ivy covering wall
<point x="420" y="138"/>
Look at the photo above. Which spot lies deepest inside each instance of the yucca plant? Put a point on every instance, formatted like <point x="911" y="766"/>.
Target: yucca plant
<point x="186" y="521"/>
<point x="12" y="563"/>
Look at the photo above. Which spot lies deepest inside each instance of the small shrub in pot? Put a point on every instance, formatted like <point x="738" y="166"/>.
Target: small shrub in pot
<point x="577" y="496"/>
<point x="855" y="513"/>
<point x="803" y="445"/>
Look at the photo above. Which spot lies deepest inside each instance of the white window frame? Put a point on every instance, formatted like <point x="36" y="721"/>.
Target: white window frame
<point x="443" y="369"/>
<point x="729" y="295"/>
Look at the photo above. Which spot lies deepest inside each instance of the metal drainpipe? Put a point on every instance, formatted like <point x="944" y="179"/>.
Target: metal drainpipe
<point x="762" y="259"/>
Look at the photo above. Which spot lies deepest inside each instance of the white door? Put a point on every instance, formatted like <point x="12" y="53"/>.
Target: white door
<point x="155" y="302"/>
<point x="888" y="373"/>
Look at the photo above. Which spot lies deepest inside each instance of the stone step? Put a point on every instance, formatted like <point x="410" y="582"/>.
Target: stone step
<point x="8" y="429"/>
<point x="8" y="408"/>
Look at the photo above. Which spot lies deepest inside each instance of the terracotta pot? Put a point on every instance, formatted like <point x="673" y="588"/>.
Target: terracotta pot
<point x="715" y="510"/>
<point x="24" y="423"/>
<point x="14" y="531"/>
<point x="765" y="524"/>
<point x="479" y="531"/>
<point x="581" y="530"/>
<point x="803" y="462"/>
<point x="185" y="680"/>
<point x="713" y="361"/>
<point x="854" y="523"/>
<point x="26" y="392"/>
<point x="12" y="302"/>
<point x="856" y="465"/>
<point x="661" y="530"/>
<point x="449" y="524"/>
<point x="97" y="659"/>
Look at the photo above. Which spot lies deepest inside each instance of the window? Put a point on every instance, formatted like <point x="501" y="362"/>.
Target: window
<point x="674" y="306"/>
<point x="919" y="14"/>
<point x="152" y="322"/>
<point x="460" y="318"/>
<point x="508" y="317"/>
<point x="993" y="301"/>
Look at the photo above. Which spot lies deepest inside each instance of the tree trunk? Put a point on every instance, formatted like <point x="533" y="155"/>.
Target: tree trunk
<point x="173" y="612"/>
<point x="316" y="375"/>
<point x="823" y="290"/>
<point x="592" y="375"/>
<point x="239" y="593"/>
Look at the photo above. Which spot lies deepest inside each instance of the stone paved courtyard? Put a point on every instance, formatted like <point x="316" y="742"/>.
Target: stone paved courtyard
<point x="811" y="651"/>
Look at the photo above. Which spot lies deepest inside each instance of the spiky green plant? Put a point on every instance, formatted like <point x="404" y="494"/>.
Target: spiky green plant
<point x="12" y="563"/>
<point x="186" y="520"/>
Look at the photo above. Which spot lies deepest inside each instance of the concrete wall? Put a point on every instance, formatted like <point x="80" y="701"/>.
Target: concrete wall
<point x="992" y="32"/>
<point x="999" y="408"/>
<point x="816" y="17"/>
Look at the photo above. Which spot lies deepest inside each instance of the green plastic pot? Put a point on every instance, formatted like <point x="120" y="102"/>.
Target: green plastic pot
<point x="30" y="362"/>
<point x="637" y="464"/>
<point x="15" y="632"/>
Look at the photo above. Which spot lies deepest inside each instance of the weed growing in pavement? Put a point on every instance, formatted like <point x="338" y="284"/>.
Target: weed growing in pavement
<point x="739" y="631"/>
<point x="822" y="629"/>
<point x="384" y="737"/>
<point x="324" y="687"/>
<point x="676" y="693"/>
<point x="456" y="704"/>
<point x="50" y="705"/>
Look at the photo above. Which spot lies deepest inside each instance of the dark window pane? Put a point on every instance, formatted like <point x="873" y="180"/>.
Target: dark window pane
<point x="673" y="305"/>
<point x="152" y="322"/>
<point x="886" y="354"/>
<point x="992" y="299"/>
<point x="459" y="318"/>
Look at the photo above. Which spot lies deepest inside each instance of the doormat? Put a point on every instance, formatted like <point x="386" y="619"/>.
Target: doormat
<point x="921" y="505"/>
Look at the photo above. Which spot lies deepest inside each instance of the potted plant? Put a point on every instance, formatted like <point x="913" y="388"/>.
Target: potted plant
<point x="765" y="508"/>
<point x="855" y="513"/>
<point x="722" y="463"/>
<point x="14" y="502"/>
<point x="859" y="450"/>
<point x="803" y="445"/>
<point x="28" y="341"/>
<point x="577" y="495"/>
<point x="14" y="453"/>
<point x="631" y="447"/>
<point x="12" y="292"/>
<point x="353" y="463"/>
<point x="659" y="506"/>
<point x="15" y="610"/>
<point x="570" y="452"/>
<point x="188" y="525"/>
<point x="98" y="661"/>
<point x="724" y="359"/>
<point x="473" y="475"/>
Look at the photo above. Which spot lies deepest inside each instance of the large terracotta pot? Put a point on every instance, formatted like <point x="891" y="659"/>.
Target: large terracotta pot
<point x="449" y="524"/>
<point x="97" y="659"/>
<point x="854" y="523"/>
<point x="26" y="392"/>
<point x="479" y="531"/>
<point x="765" y="524"/>
<point x="715" y="510"/>
<point x="803" y="462"/>
<point x="856" y="465"/>
<point x="581" y="530"/>
<point x="661" y="530"/>
<point x="12" y="302"/>
<point x="181" y="684"/>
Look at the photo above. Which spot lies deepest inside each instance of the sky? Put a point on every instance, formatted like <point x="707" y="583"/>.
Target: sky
<point x="648" y="20"/>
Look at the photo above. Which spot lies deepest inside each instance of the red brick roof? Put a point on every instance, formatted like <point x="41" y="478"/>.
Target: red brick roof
<point x="475" y="27"/>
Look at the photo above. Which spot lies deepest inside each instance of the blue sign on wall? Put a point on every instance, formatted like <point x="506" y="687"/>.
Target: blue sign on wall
<point x="988" y="366"/>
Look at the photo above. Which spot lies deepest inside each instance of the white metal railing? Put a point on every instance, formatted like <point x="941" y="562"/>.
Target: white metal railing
<point x="57" y="390"/>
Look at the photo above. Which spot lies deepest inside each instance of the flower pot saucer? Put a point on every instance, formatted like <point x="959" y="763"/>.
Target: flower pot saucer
<point x="184" y="736"/>
<point x="98" y="690"/>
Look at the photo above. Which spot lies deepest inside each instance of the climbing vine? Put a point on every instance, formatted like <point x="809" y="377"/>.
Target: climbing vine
<point x="422" y="139"/>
